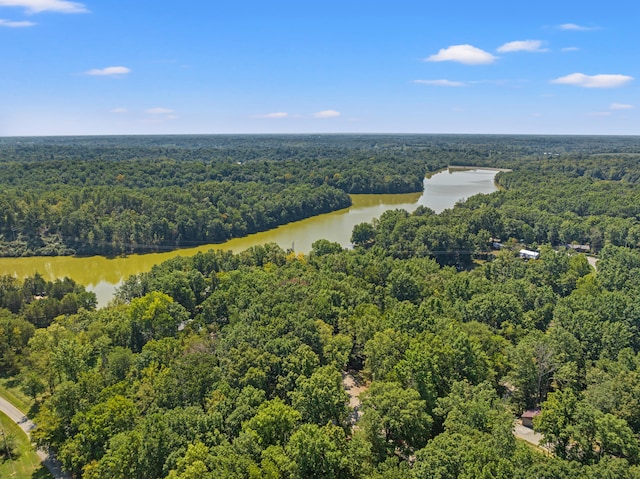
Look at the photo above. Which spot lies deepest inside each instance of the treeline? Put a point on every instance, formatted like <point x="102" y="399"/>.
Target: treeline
<point x="62" y="197"/>
<point x="112" y="221"/>
<point x="117" y="195"/>
<point x="227" y="365"/>
<point x="591" y="200"/>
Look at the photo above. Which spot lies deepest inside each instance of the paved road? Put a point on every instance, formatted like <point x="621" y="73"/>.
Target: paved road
<point x="27" y="425"/>
<point x="529" y="435"/>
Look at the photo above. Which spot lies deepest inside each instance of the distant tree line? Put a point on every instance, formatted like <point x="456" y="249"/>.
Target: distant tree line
<point x="83" y="199"/>
<point x="115" y="195"/>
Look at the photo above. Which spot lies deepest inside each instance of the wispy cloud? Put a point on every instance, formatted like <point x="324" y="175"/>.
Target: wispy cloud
<point x="576" y="28"/>
<point x="570" y="49"/>
<point x="108" y="71"/>
<point x="327" y="114"/>
<point x="12" y="24"/>
<point x="440" y="83"/>
<point x="467" y="54"/>
<point x="119" y="110"/>
<point x="38" y="6"/>
<point x="620" y="106"/>
<point x="511" y="82"/>
<point x="159" y="111"/>
<point x="522" y="46"/>
<point x="599" y="113"/>
<point x="593" y="81"/>
<point x="276" y="114"/>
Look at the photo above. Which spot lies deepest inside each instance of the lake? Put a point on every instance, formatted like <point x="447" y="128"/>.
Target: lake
<point x="103" y="275"/>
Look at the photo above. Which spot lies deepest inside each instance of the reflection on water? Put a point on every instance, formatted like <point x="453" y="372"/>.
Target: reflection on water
<point x="102" y="275"/>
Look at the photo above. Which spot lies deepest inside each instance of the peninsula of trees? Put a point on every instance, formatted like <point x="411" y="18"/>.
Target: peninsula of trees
<point x="95" y="196"/>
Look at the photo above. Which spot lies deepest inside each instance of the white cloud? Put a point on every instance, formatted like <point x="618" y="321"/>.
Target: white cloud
<point x="12" y="24"/>
<point x="467" y="54"/>
<point x="119" y="110"/>
<point x="327" y="114"/>
<point x="570" y="49"/>
<point x="523" y="46"/>
<point x="159" y="111"/>
<point x="593" y="81"/>
<point x="109" y="71"/>
<point x="620" y="106"/>
<point x="576" y="28"/>
<point x="38" y="6"/>
<point x="440" y="82"/>
<point x="599" y="113"/>
<point x="277" y="114"/>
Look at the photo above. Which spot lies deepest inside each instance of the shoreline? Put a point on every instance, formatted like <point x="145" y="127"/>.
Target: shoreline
<point x="466" y="168"/>
<point x="101" y="274"/>
<point x="489" y="168"/>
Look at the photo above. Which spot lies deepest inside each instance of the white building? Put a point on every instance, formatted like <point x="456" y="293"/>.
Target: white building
<point x="528" y="254"/>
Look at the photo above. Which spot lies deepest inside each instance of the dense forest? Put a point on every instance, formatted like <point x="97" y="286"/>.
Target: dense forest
<point x="234" y="366"/>
<point x="118" y="195"/>
<point x="87" y="197"/>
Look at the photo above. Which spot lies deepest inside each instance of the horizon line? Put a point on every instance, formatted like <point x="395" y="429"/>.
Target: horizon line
<point x="104" y="135"/>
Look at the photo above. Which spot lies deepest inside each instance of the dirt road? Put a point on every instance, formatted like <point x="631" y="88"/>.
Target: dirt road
<point x="353" y="390"/>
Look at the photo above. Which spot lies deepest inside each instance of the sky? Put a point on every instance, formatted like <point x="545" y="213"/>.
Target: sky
<point x="106" y="67"/>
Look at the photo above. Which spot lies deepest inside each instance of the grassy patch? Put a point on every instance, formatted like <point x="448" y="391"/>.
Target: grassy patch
<point x="25" y="463"/>
<point x="10" y="391"/>
<point x="533" y="447"/>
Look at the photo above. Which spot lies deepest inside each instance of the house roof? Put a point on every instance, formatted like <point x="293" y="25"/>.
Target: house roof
<point x="530" y="414"/>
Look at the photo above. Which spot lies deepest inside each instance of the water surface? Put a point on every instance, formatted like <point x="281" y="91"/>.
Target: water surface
<point x="103" y="275"/>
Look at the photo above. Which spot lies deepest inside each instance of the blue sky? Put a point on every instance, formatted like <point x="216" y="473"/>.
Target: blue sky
<point x="217" y="66"/>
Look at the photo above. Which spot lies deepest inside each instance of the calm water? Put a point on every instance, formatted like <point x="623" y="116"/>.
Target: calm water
<point x="102" y="275"/>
